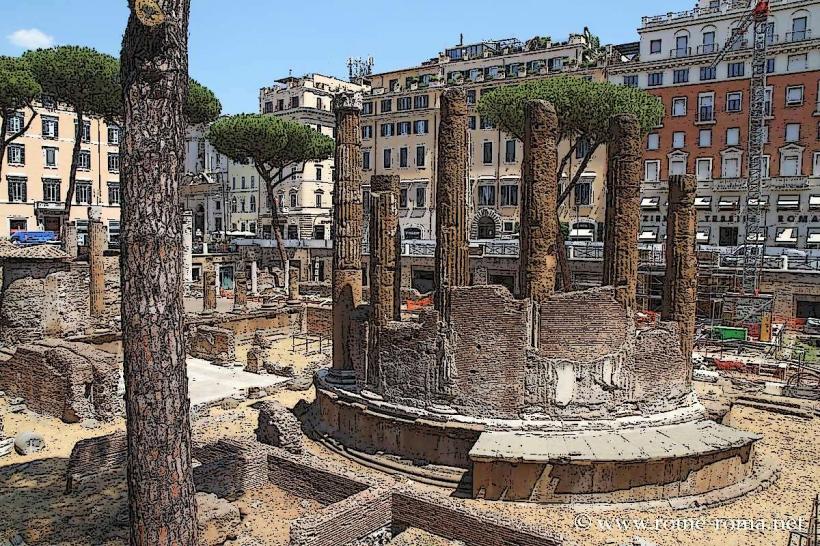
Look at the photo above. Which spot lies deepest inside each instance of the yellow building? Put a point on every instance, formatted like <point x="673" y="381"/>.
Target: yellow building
<point x="37" y="166"/>
<point x="400" y="126"/>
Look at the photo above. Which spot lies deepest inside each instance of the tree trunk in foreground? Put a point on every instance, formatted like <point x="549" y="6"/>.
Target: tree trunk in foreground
<point x="155" y="82"/>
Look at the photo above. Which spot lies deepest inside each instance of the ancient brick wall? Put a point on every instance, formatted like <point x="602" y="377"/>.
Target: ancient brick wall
<point x="72" y="381"/>
<point x="345" y="521"/>
<point x="409" y="352"/>
<point x="306" y="478"/>
<point x="319" y="320"/>
<point x="229" y="468"/>
<point x="212" y="343"/>
<point x="278" y="427"/>
<point x="93" y="456"/>
<point x="661" y="373"/>
<point x="787" y="289"/>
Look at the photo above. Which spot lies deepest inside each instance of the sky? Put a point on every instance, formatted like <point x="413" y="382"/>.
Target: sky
<point x="238" y="46"/>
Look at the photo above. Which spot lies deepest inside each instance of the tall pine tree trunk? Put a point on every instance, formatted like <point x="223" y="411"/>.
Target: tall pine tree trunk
<point x="155" y="82"/>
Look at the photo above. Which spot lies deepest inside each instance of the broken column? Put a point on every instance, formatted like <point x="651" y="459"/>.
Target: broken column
<point x="384" y="224"/>
<point x="680" y="283"/>
<point x="293" y="285"/>
<point x="240" y="288"/>
<point x="208" y="290"/>
<point x="347" y="232"/>
<point x="539" y="198"/>
<point x="452" y="245"/>
<point x="187" y="245"/>
<point x="70" y="240"/>
<point x="96" y="236"/>
<point x="623" y="208"/>
<point x="254" y="278"/>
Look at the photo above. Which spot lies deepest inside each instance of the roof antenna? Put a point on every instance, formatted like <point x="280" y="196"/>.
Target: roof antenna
<point x="461" y="39"/>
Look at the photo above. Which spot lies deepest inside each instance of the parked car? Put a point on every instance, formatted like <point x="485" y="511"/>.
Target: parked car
<point x="812" y="327"/>
<point x="737" y="255"/>
<point x="30" y="238"/>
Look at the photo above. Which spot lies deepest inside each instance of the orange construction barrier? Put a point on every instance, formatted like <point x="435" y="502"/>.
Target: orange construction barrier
<point x="415" y="305"/>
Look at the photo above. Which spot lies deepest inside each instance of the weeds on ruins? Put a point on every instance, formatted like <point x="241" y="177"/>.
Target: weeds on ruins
<point x="470" y="302"/>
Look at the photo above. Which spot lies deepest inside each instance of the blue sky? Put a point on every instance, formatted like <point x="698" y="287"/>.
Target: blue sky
<point x="238" y="46"/>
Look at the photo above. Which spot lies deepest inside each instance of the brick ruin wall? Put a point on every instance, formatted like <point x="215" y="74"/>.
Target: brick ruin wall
<point x="229" y="468"/>
<point x="319" y="320"/>
<point x="212" y="343"/>
<point x="278" y="427"/>
<point x="51" y="298"/>
<point x="93" y="456"/>
<point x="71" y="381"/>
<point x="346" y="521"/>
<point x="590" y="361"/>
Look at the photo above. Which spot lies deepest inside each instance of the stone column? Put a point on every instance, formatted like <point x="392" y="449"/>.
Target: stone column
<point x="680" y="283"/>
<point x="240" y="288"/>
<point x="623" y="208"/>
<point x="70" y="242"/>
<point x="347" y="230"/>
<point x="208" y="290"/>
<point x="384" y="224"/>
<point x="254" y="278"/>
<point x="293" y="285"/>
<point x="452" y="245"/>
<point x="96" y="236"/>
<point x="187" y="245"/>
<point x="538" y="262"/>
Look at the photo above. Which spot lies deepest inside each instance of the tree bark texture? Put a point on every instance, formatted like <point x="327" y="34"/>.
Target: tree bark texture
<point x="680" y="281"/>
<point x="538" y="260"/>
<point x="154" y="65"/>
<point x="623" y="208"/>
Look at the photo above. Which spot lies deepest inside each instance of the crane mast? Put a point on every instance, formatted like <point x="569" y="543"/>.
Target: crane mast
<point x="756" y="19"/>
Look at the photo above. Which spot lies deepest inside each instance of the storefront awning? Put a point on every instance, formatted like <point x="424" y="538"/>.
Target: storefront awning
<point x="703" y="202"/>
<point x="648" y="235"/>
<point x="650" y="202"/>
<point x="759" y="238"/>
<point x="762" y="202"/>
<point x="703" y="235"/>
<point x="786" y="235"/>
<point x="813" y="237"/>
<point x="581" y="235"/>
<point x="814" y="202"/>
<point x="788" y="202"/>
<point x="728" y="202"/>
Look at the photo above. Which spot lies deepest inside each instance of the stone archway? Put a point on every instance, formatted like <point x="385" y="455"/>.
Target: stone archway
<point x="486" y="215"/>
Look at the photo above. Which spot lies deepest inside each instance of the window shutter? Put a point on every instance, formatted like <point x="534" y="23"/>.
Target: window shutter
<point x="56" y="129"/>
<point x="24" y="192"/>
<point x="22" y="154"/>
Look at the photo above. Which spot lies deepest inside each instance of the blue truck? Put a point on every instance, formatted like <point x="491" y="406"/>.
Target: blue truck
<point x="30" y="238"/>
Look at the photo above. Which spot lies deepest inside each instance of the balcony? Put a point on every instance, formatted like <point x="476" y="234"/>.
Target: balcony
<point x="798" y="36"/>
<point x="680" y="53"/>
<point x="708" y="49"/>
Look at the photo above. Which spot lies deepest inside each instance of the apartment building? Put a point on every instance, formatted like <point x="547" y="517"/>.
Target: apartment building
<point x="204" y="189"/>
<point x="400" y="128"/>
<point x="305" y="199"/>
<point x="37" y="166"/>
<point x="705" y="130"/>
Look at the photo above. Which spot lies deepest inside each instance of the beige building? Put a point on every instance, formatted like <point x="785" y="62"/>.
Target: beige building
<point x="400" y="125"/>
<point x="305" y="199"/>
<point x="204" y="190"/>
<point x="37" y="166"/>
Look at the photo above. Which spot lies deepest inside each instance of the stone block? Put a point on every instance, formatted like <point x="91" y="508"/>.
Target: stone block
<point x="26" y="443"/>
<point x="217" y="519"/>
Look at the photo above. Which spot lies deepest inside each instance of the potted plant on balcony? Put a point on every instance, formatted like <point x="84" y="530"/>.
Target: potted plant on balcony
<point x="413" y="83"/>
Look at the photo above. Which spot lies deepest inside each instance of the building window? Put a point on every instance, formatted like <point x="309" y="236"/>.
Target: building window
<point x="733" y="136"/>
<point x="269" y="107"/>
<point x="412" y="234"/>
<point x="731" y="167"/>
<point x="387" y="159"/>
<point x="294" y="199"/>
<point x="677" y="165"/>
<point x="486" y="123"/>
<point x="509" y="195"/>
<point x="652" y="170"/>
<point x="509" y="151"/>
<point x="655" y="79"/>
<point x="734" y="102"/>
<point x="113" y="193"/>
<point x="735" y="70"/>
<point x="294" y="102"/>
<point x="486" y="195"/>
<point x="421" y="101"/>
<point x="421" y="197"/>
<point x="318" y="173"/>
<point x="51" y="127"/>
<point x="403" y="157"/>
<point x="678" y="140"/>
<point x="366" y="160"/>
<point x="421" y="127"/>
<point x="488" y="153"/>
<point x="386" y="105"/>
<point x="84" y="160"/>
<point x="243" y="182"/>
<point x="706" y="107"/>
<point x="799" y="31"/>
<point x="85" y="134"/>
<point x="581" y="148"/>
<point x="790" y="165"/>
<point x="631" y="80"/>
<point x="113" y="135"/>
<point x="792" y="132"/>
<point x="486" y="228"/>
<point x="583" y="193"/>
<point x="51" y="190"/>
<point x="708" y="43"/>
<point x="16" y="154"/>
<point x="318" y="200"/>
<point x="388" y="129"/>
<point x="797" y="62"/>
<point x="655" y="46"/>
<point x="15" y="122"/>
<point x="293" y="231"/>
<point x="679" y="106"/>
<point x="815" y="169"/>
<point x="403" y="103"/>
<point x="708" y="73"/>
<point x="471" y="122"/>
<point x="253" y="182"/>
<point x="50" y="157"/>
<point x="403" y="198"/>
<point x="680" y="76"/>
<point x="421" y="154"/>
<point x="653" y="141"/>
<point x="794" y="95"/>
<point x="113" y="163"/>
<point x="367" y="108"/>
<point x="367" y="131"/>
<point x="471" y="96"/>
<point x="770" y="66"/>
<point x="403" y="128"/>
<point x="727" y="236"/>
<point x="82" y="193"/>
<point x="17" y="189"/>
<point x="233" y="204"/>
<point x="705" y="138"/>
<point x="704" y="168"/>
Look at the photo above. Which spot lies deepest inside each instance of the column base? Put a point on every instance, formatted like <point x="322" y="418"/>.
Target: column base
<point x="341" y="377"/>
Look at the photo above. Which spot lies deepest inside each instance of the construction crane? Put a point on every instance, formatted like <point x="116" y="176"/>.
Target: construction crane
<point x="756" y="19"/>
